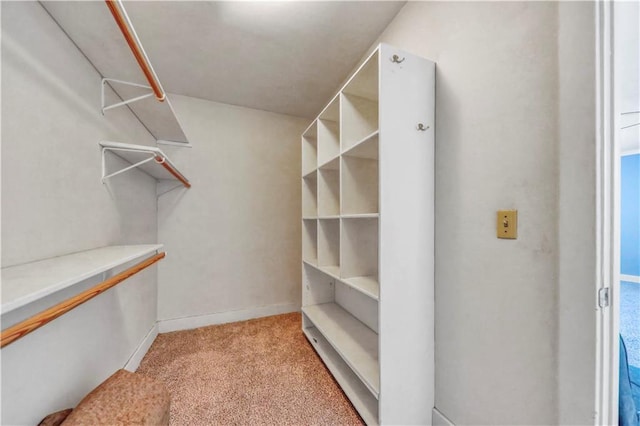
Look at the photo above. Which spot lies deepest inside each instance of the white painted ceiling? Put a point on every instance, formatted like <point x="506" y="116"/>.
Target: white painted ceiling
<point x="281" y="56"/>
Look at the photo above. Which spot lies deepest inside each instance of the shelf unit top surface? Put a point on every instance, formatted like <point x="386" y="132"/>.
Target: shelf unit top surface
<point x="356" y="343"/>
<point x="23" y="284"/>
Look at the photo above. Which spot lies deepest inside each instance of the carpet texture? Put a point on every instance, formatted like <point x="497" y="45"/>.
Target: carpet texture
<point x="257" y="372"/>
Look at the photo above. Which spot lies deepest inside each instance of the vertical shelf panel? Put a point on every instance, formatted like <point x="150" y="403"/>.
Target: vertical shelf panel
<point x="310" y="241"/>
<point x="310" y="196"/>
<point x="359" y="248"/>
<point x="310" y="149"/>
<point x="329" y="246"/>
<point x="329" y="189"/>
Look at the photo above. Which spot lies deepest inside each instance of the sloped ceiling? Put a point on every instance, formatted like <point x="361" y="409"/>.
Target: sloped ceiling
<point x="286" y="56"/>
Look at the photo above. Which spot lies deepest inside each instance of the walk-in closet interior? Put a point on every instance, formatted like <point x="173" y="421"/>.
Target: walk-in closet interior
<point x="302" y="212"/>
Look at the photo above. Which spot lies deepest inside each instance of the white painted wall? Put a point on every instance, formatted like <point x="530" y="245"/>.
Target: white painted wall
<point x="577" y="263"/>
<point x="53" y="203"/>
<point x="504" y="140"/>
<point x="234" y="238"/>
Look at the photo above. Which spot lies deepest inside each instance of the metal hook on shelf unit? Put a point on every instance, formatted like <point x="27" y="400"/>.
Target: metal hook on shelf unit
<point x="396" y="59"/>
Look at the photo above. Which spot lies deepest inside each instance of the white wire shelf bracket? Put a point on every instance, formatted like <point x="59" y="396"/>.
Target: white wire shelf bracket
<point x="126" y="101"/>
<point x="150" y="159"/>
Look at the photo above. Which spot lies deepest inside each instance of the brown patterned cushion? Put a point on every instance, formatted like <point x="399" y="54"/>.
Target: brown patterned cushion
<point x="125" y="398"/>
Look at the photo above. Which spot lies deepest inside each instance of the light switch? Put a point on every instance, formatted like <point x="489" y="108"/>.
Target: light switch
<point x="507" y="224"/>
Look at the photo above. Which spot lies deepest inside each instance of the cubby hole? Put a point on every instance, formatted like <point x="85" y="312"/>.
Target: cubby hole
<point x="359" y="105"/>
<point x="310" y="196"/>
<point x="310" y="241"/>
<point x="329" y="132"/>
<point x="329" y="189"/>
<point x="329" y="246"/>
<point x="359" y="254"/>
<point x="360" y="180"/>
<point x="310" y="149"/>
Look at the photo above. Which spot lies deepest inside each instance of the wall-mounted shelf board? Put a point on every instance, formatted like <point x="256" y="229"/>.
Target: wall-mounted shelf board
<point x="26" y="283"/>
<point x="98" y="37"/>
<point x="150" y="159"/>
<point x="356" y="343"/>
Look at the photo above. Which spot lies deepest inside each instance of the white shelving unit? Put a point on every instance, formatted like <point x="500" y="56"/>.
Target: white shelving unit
<point x="150" y="159"/>
<point x="367" y="238"/>
<point x="26" y="283"/>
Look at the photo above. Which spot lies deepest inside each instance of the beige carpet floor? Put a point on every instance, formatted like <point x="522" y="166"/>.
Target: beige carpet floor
<point x="257" y="372"/>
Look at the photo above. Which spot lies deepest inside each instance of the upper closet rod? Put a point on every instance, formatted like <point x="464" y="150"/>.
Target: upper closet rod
<point x="122" y="19"/>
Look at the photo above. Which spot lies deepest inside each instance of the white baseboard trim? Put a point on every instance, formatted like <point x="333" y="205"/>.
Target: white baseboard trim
<point x="188" y="323"/>
<point x="630" y="278"/>
<point x="141" y="351"/>
<point x="439" y="419"/>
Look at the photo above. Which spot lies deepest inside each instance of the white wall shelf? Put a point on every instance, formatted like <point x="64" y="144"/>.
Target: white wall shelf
<point x="24" y="284"/>
<point x="353" y="341"/>
<point x="150" y="159"/>
<point x="370" y="274"/>
<point x="158" y="117"/>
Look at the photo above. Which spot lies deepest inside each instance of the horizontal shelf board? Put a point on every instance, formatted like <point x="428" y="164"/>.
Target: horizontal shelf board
<point x="367" y="147"/>
<point x="332" y="217"/>
<point x="309" y="218"/>
<point x="356" y="343"/>
<point x="332" y="270"/>
<point x="359" y="395"/>
<point x="361" y="216"/>
<point x="136" y="153"/>
<point x="311" y="262"/>
<point x="332" y="164"/>
<point x="310" y="174"/>
<point x="369" y="285"/>
<point x="23" y="284"/>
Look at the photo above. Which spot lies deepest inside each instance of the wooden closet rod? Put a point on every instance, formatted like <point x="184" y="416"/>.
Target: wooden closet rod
<point x="171" y="170"/>
<point x="25" y="327"/>
<point x="136" y="48"/>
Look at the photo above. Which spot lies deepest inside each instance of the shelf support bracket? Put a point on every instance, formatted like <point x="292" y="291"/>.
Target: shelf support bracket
<point x="106" y="176"/>
<point x="124" y="102"/>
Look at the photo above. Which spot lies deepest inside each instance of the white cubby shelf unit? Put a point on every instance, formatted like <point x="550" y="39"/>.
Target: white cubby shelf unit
<point x="368" y="237"/>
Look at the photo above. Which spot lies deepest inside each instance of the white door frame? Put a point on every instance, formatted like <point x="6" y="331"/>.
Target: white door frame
<point x="608" y="221"/>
